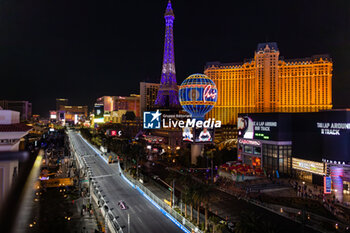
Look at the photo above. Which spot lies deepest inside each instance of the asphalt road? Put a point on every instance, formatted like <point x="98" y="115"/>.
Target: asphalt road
<point x="144" y="216"/>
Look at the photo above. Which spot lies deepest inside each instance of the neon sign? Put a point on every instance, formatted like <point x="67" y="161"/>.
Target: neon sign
<point x="250" y="142"/>
<point x="209" y="93"/>
<point x="327" y="184"/>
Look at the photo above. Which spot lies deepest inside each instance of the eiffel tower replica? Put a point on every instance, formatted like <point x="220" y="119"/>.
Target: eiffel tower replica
<point x="167" y="97"/>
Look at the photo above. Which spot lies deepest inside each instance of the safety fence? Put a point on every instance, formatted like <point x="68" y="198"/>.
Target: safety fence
<point x="183" y="223"/>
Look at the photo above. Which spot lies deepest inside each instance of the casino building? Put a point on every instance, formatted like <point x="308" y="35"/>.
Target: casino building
<point x="270" y="83"/>
<point x="308" y="146"/>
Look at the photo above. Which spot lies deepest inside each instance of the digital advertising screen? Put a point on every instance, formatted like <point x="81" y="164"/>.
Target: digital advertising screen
<point x="198" y="135"/>
<point x="307" y="141"/>
<point x="187" y="134"/>
<point x="53" y="115"/>
<point x="334" y="128"/>
<point x="322" y="136"/>
<point x="264" y="126"/>
<point x="327" y="185"/>
<point x="204" y="135"/>
<point x="98" y="110"/>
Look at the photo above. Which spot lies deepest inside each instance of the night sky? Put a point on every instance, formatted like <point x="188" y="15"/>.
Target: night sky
<point x="82" y="50"/>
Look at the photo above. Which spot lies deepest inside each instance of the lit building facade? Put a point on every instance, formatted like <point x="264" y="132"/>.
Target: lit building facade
<point x="117" y="103"/>
<point x="23" y="107"/>
<point x="72" y="114"/>
<point x="108" y="103"/>
<point x="148" y="96"/>
<point x="269" y="83"/>
<point x="12" y="134"/>
<point x="61" y="102"/>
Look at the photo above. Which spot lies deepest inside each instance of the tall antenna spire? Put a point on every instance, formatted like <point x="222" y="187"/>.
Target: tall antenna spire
<point x="168" y="91"/>
<point x="169" y="10"/>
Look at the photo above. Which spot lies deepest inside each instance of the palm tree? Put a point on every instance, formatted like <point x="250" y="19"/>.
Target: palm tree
<point x="188" y="200"/>
<point x="208" y="195"/>
<point x="214" y="221"/>
<point x="198" y="197"/>
<point x="204" y="194"/>
<point x="187" y="184"/>
<point x="185" y="200"/>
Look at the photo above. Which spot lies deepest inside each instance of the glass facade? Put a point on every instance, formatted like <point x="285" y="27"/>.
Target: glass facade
<point x="277" y="157"/>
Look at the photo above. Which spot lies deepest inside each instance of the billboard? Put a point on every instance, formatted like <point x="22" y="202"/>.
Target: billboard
<point x="53" y="115"/>
<point x="197" y="135"/>
<point x="322" y="136"/>
<point x="264" y="126"/>
<point x="98" y="111"/>
<point x="309" y="166"/>
<point x="315" y="136"/>
<point x="187" y="134"/>
<point x="203" y="135"/>
<point x="327" y="185"/>
<point x="335" y="132"/>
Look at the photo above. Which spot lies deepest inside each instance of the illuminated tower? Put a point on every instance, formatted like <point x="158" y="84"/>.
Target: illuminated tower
<point x="266" y="73"/>
<point x="168" y="91"/>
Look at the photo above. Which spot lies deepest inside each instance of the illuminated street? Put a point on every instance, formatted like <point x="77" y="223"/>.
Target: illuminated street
<point x="144" y="217"/>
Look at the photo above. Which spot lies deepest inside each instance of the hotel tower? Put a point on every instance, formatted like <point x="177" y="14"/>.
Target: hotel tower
<point x="270" y="83"/>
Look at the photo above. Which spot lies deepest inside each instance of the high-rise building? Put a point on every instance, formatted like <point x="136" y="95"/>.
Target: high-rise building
<point x="12" y="133"/>
<point x="23" y="107"/>
<point x="72" y="114"/>
<point x="270" y="83"/>
<point x="116" y="103"/>
<point x="167" y="97"/>
<point x="128" y="103"/>
<point x="148" y="96"/>
<point x="108" y="103"/>
<point x="61" y="102"/>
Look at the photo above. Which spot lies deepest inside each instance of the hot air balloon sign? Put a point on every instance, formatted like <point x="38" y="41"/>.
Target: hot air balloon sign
<point x="198" y="95"/>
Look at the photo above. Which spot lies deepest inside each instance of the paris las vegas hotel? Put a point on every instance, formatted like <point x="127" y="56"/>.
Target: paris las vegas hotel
<point x="270" y="83"/>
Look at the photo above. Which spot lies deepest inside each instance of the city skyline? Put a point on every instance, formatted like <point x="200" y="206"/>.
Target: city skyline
<point x="93" y="61"/>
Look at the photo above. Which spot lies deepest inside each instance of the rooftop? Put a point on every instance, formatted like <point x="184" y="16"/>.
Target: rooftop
<point x="19" y="127"/>
<point x="271" y="45"/>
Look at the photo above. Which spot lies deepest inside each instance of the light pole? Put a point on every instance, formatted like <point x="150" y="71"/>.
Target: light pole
<point x="171" y="190"/>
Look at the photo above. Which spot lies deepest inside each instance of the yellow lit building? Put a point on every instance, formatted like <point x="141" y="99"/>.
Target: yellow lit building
<point x="269" y="83"/>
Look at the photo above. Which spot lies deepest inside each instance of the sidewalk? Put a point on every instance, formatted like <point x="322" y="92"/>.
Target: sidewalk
<point x="83" y="223"/>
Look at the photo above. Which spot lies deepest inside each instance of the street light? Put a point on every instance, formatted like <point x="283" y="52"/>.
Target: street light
<point x="171" y="189"/>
